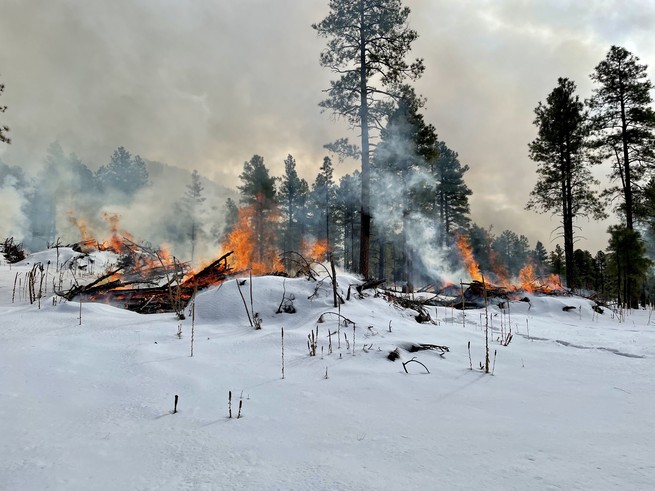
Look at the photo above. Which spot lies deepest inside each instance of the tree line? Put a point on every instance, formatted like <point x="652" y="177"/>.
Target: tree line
<point x="616" y="125"/>
<point x="410" y="182"/>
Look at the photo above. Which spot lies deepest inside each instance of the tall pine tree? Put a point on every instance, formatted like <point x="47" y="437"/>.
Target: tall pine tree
<point x="560" y="150"/>
<point x="624" y="125"/>
<point x="368" y="41"/>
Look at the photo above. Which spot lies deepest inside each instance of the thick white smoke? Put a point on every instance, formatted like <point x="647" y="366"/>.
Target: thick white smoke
<point x="13" y="222"/>
<point x="423" y="236"/>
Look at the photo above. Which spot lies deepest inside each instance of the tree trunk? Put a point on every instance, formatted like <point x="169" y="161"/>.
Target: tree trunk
<point x="365" y="232"/>
<point x="567" y="217"/>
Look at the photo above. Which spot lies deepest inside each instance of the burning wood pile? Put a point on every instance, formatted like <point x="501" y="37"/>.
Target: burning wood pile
<point x="148" y="282"/>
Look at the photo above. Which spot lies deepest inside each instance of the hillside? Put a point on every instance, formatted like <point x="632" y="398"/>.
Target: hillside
<point x="88" y="405"/>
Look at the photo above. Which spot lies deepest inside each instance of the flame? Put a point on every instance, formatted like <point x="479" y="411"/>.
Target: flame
<point x="315" y="250"/>
<point x="530" y="282"/>
<point x="527" y="278"/>
<point x="253" y="251"/>
<point x="467" y="256"/>
<point x="553" y="282"/>
<point x="116" y="242"/>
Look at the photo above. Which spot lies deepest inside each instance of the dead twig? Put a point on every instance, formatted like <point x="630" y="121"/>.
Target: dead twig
<point x="415" y="361"/>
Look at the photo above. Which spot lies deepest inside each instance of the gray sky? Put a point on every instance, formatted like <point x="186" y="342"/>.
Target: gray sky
<point x="208" y="83"/>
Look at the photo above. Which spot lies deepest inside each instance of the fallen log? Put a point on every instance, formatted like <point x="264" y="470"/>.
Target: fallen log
<point x="369" y="285"/>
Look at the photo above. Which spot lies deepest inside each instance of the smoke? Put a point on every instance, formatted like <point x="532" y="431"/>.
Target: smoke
<point x="13" y="222"/>
<point x="431" y="261"/>
<point x="206" y="84"/>
<point x="63" y="201"/>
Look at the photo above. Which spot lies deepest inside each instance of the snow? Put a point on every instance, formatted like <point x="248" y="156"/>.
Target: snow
<point x="570" y="404"/>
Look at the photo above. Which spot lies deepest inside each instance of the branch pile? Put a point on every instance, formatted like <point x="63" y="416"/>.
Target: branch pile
<point x="134" y="284"/>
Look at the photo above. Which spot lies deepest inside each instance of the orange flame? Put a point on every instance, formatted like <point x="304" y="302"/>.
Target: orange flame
<point x="467" y="255"/>
<point x="252" y="241"/>
<point x="116" y="242"/>
<point x="315" y="250"/>
<point x="527" y="278"/>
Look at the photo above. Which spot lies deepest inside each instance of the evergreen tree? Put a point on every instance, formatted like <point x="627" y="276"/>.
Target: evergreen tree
<point x="560" y="150"/>
<point x="557" y="261"/>
<point x="321" y="202"/>
<point x="601" y="280"/>
<point x="231" y="217"/>
<point x="624" y="125"/>
<point x="368" y="41"/>
<point x="258" y="185"/>
<point x="123" y="173"/>
<point x="451" y="192"/>
<point x="293" y="199"/>
<point x="628" y="263"/>
<point x="399" y="171"/>
<point x="481" y="241"/>
<point x="193" y="208"/>
<point x="540" y="258"/>
<point x="511" y="253"/>
<point x="258" y="191"/>
<point x="585" y="268"/>
<point x="347" y="206"/>
<point x="4" y="129"/>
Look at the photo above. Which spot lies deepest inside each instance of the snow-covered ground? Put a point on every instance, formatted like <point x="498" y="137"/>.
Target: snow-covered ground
<point x="89" y="407"/>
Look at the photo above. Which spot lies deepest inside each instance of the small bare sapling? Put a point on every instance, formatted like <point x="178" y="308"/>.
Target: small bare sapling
<point x="282" y="330"/>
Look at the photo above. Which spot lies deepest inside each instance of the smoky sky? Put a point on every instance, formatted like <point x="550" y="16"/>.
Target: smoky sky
<point x="205" y="84"/>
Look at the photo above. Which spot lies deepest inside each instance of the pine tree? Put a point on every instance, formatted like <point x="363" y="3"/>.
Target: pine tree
<point x="507" y="251"/>
<point x="258" y="191"/>
<point x="628" y="263"/>
<point x="560" y="150"/>
<point x="3" y="128"/>
<point x="193" y="206"/>
<point x="557" y="261"/>
<point x="123" y="173"/>
<point x="624" y="125"/>
<point x="231" y="217"/>
<point x="540" y="258"/>
<point x="347" y="206"/>
<point x="321" y="203"/>
<point x="451" y="193"/>
<point x="481" y="240"/>
<point x="600" y="274"/>
<point x="293" y="199"/>
<point x="399" y="173"/>
<point x="584" y="266"/>
<point x="368" y="41"/>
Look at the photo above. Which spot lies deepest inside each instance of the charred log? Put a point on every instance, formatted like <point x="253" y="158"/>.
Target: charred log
<point x="371" y="284"/>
